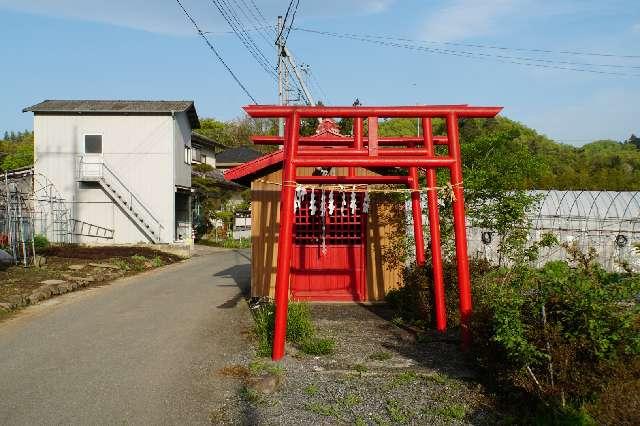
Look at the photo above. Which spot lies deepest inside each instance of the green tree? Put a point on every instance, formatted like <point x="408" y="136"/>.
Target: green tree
<point x="237" y="132"/>
<point x="17" y="152"/>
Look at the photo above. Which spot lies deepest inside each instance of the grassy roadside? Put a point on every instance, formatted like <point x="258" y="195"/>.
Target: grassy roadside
<point x="69" y="268"/>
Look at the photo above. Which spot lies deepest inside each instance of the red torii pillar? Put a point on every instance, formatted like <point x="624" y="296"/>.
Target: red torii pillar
<point x="373" y="156"/>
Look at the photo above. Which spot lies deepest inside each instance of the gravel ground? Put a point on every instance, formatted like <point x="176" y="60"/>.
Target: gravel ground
<point x="378" y="374"/>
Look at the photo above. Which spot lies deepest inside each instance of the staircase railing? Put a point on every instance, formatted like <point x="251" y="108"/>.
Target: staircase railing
<point x="97" y="170"/>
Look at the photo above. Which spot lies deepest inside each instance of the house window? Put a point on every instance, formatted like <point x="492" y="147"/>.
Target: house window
<point x="187" y="154"/>
<point x="203" y="159"/>
<point x="93" y="144"/>
<point x="195" y="154"/>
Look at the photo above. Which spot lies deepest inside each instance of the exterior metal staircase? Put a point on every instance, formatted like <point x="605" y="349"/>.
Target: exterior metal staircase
<point x="95" y="170"/>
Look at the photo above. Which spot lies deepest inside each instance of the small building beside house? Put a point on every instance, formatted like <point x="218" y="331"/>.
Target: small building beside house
<point x="204" y="150"/>
<point x="358" y="263"/>
<point x="122" y="167"/>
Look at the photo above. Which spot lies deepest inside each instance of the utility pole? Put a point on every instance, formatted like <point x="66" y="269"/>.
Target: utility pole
<point x="281" y="71"/>
<point x="286" y="62"/>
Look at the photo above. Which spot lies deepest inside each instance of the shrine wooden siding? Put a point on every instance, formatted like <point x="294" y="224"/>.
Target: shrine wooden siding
<point x="265" y="219"/>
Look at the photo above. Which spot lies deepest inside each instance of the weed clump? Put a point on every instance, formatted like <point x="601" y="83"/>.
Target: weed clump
<point x="317" y="346"/>
<point x="300" y="330"/>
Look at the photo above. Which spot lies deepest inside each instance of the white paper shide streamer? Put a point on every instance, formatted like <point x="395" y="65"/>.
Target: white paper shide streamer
<point x="312" y="203"/>
<point x="365" y="202"/>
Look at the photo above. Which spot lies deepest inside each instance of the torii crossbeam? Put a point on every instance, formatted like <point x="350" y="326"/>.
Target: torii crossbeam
<point x="412" y="153"/>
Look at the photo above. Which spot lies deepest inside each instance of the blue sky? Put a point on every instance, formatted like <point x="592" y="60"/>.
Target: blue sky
<point x="137" y="49"/>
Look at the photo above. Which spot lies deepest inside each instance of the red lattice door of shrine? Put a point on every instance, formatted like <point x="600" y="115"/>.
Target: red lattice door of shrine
<point x="338" y="272"/>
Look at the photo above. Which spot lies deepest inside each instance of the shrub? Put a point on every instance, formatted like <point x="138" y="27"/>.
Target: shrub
<point x="317" y="346"/>
<point x="227" y="243"/>
<point x="157" y="262"/>
<point x="40" y="241"/>
<point x="413" y="301"/>
<point x="299" y="325"/>
<point x="563" y="331"/>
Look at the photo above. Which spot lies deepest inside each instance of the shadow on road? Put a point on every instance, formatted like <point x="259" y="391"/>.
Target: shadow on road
<point x="241" y="275"/>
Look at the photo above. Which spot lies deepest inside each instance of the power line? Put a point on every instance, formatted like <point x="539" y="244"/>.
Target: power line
<point x="532" y="62"/>
<point x="293" y="18"/>
<point x="253" y="17"/>
<point x="217" y="33"/>
<point x="487" y="46"/>
<point x="284" y="22"/>
<point x="213" y="49"/>
<point x="244" y="36"/>
<point x="260" y="19"/>
<point x="314" y="80"/>
<point x="243" y="28"/>
<point x="261" y="15"/>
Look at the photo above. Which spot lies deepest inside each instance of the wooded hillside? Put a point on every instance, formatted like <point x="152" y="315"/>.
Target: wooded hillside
<point x="499" y="148"/>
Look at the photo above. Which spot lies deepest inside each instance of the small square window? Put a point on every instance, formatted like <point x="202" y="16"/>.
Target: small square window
<point x="93" y="144"/>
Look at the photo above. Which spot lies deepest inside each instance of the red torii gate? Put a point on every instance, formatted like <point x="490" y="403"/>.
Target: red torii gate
<point x="359" y="151"/>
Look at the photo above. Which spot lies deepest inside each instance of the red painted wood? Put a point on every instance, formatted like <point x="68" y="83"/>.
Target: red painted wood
<point x="340" y="274"/>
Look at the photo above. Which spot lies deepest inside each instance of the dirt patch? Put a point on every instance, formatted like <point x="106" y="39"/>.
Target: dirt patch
<point x="101" y="253"/>
<point x="378" y="374"/>
<point x="85" y="266"/>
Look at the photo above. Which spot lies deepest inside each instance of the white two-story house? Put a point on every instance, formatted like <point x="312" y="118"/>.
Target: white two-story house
<point x="122" y="167"/>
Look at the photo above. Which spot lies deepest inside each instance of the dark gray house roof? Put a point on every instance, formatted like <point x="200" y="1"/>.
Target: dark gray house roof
<point x="198" y="139"/>
<point x="116" y="107"/>
<point x="235" y="156"/>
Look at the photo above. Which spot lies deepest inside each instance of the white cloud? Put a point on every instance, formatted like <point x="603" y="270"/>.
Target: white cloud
<point x="167" y="18"/>
<point x="462" y="19"/>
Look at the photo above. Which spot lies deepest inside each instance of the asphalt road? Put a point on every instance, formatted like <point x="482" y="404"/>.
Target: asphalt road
<point x="143" y="350"/>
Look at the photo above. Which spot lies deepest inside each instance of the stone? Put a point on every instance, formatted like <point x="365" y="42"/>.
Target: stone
<point x="76" y="267"/>
<point x="35" y="297"/>
<point x="104" y="265"/>
<point x="51" y="282"/>
<point x="55" y="289"/>
<point x="267" y="384"/>
<point x="39" y="261"/>
<point x="4" y="306"/>
<point x="45" y="290"/>
<point x="6" y="259"/>
<point x="17" y="300"/>
<point x="290" y="350"/>
<point x="66" y="287"/>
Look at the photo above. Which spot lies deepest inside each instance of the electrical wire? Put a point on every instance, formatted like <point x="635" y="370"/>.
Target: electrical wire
<point x="487" y="46"/>
<point x="284" y="22"/>
<point x="532" y="62"/>
<point x="244" y="37"/>
<point x="315" y="81"/>
<point x="253" y="18"/>
<point x="293" y="18"/>
<point x="255" y="6"/>
<point x="215" y="51"/>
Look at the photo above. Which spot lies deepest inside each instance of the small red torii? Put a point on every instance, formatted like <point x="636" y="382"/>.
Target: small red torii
<point x="359" y="151"/>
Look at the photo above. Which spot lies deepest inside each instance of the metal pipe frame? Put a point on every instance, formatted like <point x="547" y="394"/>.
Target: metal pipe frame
<point x="369" y="155"/>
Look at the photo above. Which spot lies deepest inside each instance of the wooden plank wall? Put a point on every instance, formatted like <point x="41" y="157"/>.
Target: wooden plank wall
<point x="265" y="219"/>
